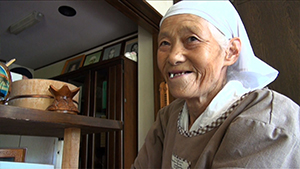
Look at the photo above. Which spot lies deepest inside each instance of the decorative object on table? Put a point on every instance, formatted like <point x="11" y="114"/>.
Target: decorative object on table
<point x="112" y="51"/>
<point x="63" y="100"/>
<point x="5" y="81"/>
<point x="34" y="93"/>
<point x="73" y="64"/>
<point x="92" y="58"/>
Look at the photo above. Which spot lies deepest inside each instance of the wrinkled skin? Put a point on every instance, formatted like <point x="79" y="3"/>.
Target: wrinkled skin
<point x="192" y="62"/>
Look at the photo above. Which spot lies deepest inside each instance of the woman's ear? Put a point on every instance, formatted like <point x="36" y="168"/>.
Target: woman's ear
<point x="233" y="51"/>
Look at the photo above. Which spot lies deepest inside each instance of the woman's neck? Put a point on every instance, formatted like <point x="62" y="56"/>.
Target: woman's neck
<point x="196" y="106"/>
<point x="195" y="109"/>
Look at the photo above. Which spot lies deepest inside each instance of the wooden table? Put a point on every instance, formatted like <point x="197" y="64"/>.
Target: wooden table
<point x="33" y="122"/>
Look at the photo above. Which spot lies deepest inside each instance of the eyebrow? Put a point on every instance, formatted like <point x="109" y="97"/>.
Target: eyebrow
<point x="190" y="29"/>
<point x="183" y="29"/>
<point x="162" y="34"/>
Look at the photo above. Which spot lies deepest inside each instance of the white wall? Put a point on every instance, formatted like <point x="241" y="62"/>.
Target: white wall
<point x="49" y="71"/>
<point x="145" y="85"/>
<point x="145" y="75"/>
<point x="39" y="149"/>
<point x="161" y="5"/>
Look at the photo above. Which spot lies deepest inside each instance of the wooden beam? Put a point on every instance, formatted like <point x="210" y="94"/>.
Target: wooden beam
<point x="71" y="148"/>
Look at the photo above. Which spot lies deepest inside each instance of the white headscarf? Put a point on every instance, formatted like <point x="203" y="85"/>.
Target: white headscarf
<point x="249" y="70"/>
<point x="247" y="74"/>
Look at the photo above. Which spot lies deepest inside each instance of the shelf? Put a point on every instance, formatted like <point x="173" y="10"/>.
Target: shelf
<point x="33" y="122"/>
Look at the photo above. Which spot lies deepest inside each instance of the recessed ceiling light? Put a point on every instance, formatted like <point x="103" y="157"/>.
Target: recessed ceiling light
<point x="67" y="11"/>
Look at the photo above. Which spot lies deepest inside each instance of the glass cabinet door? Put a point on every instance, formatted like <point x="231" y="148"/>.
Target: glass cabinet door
<point x="79" y="81"/>
<point x="100" y="93"/>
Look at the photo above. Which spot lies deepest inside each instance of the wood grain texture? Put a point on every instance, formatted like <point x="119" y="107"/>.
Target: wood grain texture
<point x="33" y="122"/>
<point x="130" y="113"/>
<point x="71" y="148"/>
<point x="140" y="12"/>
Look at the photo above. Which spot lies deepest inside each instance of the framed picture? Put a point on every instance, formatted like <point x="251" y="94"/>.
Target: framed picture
<point x="92" y="58"/>
<point x="15" y="154"/>
<point x="132" y="46"/>
<point x="73" y="64"/>
<point x="112" y="51"/>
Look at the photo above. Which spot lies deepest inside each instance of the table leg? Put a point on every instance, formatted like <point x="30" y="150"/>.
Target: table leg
<point x="71" y="148"/>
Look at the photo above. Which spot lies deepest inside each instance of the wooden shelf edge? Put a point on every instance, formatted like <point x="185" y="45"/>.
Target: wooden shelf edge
<point x="25" y="121"/>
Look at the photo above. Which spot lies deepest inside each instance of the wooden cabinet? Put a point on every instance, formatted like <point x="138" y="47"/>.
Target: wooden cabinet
<point x="108" y="90"/>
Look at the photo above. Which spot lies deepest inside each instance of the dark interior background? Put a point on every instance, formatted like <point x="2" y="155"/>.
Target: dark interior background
<point x="273" y="29"/>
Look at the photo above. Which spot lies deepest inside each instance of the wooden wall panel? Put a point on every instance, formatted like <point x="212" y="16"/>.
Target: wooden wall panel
<point x="130" y="113"/>
<point x="273" y="29"/>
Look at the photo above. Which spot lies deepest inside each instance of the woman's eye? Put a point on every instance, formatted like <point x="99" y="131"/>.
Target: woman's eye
<point x="192" y="39"/>
<point x="164" y="43"/>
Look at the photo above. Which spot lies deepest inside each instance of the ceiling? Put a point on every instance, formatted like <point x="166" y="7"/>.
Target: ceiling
<point x="57" y="36"/>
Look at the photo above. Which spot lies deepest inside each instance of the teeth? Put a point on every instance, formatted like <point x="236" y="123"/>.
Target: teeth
<point x="172" y="75"/>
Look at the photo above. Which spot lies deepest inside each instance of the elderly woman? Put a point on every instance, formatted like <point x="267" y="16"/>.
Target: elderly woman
<point x="223" y="117"/>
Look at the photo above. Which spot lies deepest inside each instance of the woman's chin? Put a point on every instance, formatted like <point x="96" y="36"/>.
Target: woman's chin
<point x="180" y="94"/>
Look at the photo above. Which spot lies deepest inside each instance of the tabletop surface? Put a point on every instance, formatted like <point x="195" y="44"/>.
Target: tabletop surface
<point x="24" y="121"/>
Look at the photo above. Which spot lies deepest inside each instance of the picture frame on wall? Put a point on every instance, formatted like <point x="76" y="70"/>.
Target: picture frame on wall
<point x="132" y="46"/>
<point x="131" y="49"/>
<point x="92" y="58"/>
<point x="73" y="64"/>
<point x="112" y="51"/>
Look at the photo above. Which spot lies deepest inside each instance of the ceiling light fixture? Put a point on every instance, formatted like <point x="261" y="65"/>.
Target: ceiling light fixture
<point x="28" y="21"/>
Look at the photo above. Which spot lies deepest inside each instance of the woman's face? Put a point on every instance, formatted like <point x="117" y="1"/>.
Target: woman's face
<point x="190" y="59"/>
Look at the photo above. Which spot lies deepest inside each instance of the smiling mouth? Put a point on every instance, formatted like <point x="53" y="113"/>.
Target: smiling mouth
<point x="172" y="75"/>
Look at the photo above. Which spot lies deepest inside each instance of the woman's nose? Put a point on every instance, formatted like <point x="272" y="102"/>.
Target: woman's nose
<point x="176" y="55"/>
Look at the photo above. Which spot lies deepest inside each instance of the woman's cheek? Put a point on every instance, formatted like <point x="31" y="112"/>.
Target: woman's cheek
<point x="161" y="61"/>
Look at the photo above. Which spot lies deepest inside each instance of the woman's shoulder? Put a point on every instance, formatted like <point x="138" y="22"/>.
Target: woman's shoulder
<point x="271" y="108"/>
<point x="267" y="99"/>
<point x="277" y="102"/>
<point x="262" y="132"/>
